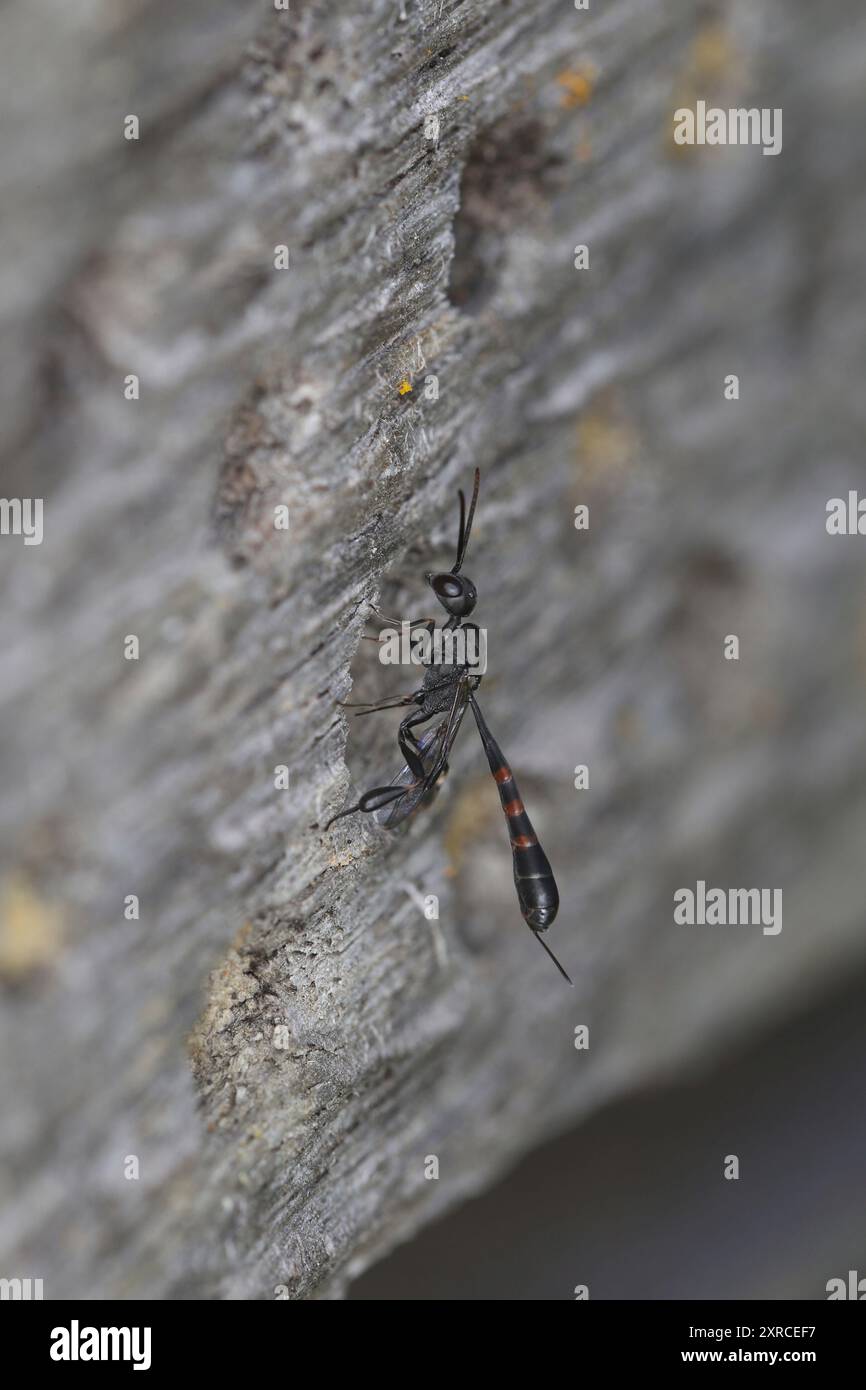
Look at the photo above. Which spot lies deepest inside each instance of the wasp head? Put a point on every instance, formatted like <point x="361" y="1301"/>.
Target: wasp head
<point x="455" y="592"/>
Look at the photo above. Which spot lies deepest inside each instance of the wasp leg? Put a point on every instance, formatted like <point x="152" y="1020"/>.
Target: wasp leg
<point x="414" y="698"/>
<point x="366" y="708"/>
<point x="409" y="744"/>
<point x="370" y="801"/>
<point x="428" y="623"/>
<point x="395" y="622"/>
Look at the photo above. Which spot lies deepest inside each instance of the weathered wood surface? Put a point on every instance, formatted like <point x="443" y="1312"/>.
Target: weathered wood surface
<point x="293" y="1158"/>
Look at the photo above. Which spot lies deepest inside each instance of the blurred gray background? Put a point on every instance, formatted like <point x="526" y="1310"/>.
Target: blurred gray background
<point x="633" y="1204"/>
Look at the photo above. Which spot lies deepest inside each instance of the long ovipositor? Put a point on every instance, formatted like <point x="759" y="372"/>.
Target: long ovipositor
<point x="533" y="876"/>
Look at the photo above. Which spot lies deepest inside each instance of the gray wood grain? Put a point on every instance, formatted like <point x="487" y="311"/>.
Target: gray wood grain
<point x="271" y="1159"/>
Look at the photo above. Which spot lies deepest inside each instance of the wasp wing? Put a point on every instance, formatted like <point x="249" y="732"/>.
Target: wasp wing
<point x="433" y="747"/>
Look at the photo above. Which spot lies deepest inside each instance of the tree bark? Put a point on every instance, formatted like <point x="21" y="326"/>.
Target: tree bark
<point x="282" y="1039"/>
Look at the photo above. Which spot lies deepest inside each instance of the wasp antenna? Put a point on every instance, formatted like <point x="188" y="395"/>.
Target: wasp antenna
<point x="542" y="941"/>
<point x="466" y="523"/>
<point x="460" y="530"/>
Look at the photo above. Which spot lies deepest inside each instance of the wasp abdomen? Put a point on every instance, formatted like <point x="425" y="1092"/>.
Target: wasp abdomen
<point x="533" y="877"/>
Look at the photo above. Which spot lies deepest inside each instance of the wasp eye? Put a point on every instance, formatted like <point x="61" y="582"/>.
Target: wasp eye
<point x="448" y="587"/>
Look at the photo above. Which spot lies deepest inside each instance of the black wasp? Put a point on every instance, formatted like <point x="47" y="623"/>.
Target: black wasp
<point x="447" y="690"/>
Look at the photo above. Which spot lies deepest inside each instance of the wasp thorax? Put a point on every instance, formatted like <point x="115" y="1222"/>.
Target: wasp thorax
<point x="457" y="595"/>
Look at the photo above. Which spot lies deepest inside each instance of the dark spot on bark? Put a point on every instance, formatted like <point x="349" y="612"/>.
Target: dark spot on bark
<point x="710" y="589"/>
<point x="437" y="59"/>
<point x="712" y="568"/>
<point x="509" y="174"/>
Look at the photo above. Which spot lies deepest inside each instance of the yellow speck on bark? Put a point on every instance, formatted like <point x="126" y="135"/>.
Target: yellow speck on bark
<point x="30" y="930"/>
<point x="712" y="53"/>
<point x="577" y="86"/>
